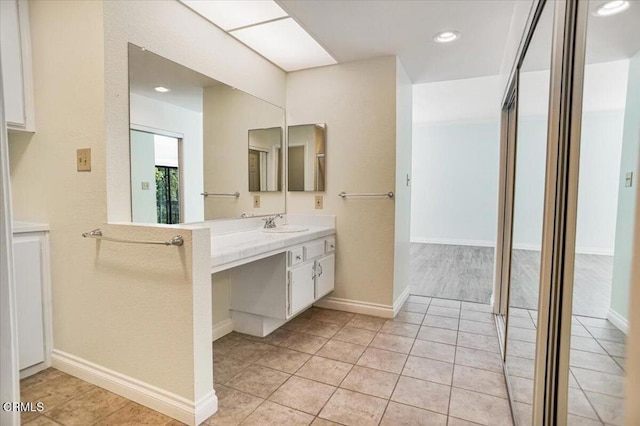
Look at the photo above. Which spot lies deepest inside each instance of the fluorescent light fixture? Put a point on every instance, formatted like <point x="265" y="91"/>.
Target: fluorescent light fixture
<point x="286" y="44"/>
<point x="161" y="89"/>
<point x="446" y="36"/>
<point x="229" y="14"/>
<point x="611" y="8"/>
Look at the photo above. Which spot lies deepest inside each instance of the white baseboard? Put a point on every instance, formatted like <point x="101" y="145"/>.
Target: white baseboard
<point x="168" y="403"/>
<point x="454" y="242"/>
<point x="403" y="298"/>
<point x="619" y="321"/>
<point x="221" y="329"/>
<point x="356" y="307"/>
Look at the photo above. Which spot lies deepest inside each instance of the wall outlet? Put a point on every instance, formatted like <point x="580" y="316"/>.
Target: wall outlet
<point x="318" y="201"/>
<point x="256" y="201"/>
<point x="145" y="186"/>
<point x="628" y="179"/>
<point x="83" y="159"/>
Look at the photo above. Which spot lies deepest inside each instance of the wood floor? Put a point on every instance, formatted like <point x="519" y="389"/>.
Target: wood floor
<point x="466" y="273"/>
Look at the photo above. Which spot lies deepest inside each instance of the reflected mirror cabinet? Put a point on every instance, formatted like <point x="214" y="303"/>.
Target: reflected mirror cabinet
<point x="203" y="150"/>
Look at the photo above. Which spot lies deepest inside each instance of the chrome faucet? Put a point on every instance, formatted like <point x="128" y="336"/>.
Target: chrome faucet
<point x="270" y="221"/>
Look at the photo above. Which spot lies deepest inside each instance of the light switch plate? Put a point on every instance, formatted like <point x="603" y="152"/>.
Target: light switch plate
<point x="83" y="159"/>
<point x="256" y="201"/>
<point x="628" y="179"/>
<point x="145" y="186"/>
<point x="318" y="201"/>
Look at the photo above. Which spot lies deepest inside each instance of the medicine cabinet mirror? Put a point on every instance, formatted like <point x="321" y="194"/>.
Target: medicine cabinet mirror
<point x="188" y="146"/>
<point x="307" y="150"/>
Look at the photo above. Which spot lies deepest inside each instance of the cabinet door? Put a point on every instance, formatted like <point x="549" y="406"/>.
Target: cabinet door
<point x="325" y="275"/>
<point x="301" y="288"/>
<point x="28" y="275"/>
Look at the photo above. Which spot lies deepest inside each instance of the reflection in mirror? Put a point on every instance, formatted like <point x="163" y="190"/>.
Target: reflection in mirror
<point x="207" y="123"/>
<point x="307" y="158"/>
<point x="265" y="160"/>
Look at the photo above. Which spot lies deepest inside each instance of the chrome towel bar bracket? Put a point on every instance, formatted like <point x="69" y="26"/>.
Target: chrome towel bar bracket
<point x="220" y="194"/>
<point x="97" y="234"/>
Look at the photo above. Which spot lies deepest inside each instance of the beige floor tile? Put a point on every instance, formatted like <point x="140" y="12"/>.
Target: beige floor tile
<point x="357" y="336"/>
<point x="440" y="322"/>
<point x="593" y="361"/>
<point x="303" y="342"/>
<point x="320" y="328"/>
<point x="400" y="328"/>
<point x="233" y="406"/>
<point x="522" y="322"/>
<point x="366" y="322"/>
<point x="341" y="351"/>
<point x="325" y="370"/>
<point x="452" y="421"/>
<point x="134" y="414"/>
<point x="579" y="405"/>
<point x="283" y="359"/>
<point x="323" y="422"/>
<point x="446" y="303"/>
<point x="410" y="317"/>
<point x="247" y="351"/>
<point x="423" y="300"/>
<point x="41" y="421"/>
<point x="226" y="368"/>
<point x="382" y="360"/>
<point x="443" y="311"/>
<point x="414" y="307"/>
<point x="521" y="389"/>
<point x="478" y="316"/>
<point x="419" y="393"/>
<point x="478" y="341"/>
<point x="352" y="408"/>
<point x="434" y="350"/>
<point x="607" y="334"/>
<point x="582" y="421"/>
<point x="479" y="408"/>
<point x="479" y="359"/>
<point x="439" y="335"/>
<point x="428" y="369"/>
<point x="478" y="307"/>
<point x="88" y="408"/>
<point x="41" y="377"/>
<point x="596" y="381"/>
<point x="400" y="414"/>
<point x="477" y="380"/>
<point x="225" y="343"/>
<point x="614" y="348"/>
<point x="519" y="348"/>
<point x="269" y="413"/>
<point x="274" y="338"/>
<point x="336" y="317"/>
<point x="609" y="408"/>
<point x="258" y="381"/>
<point x="393" y="343"/>
<point x="303" y="395"/>
<point x="524" y="334"/>
<point x="523" y="414"/>
<point x="477" y="327"/>
<point x="520" y="367"/>
<point x="371" y="382"/>
<point x="54" y="392"/>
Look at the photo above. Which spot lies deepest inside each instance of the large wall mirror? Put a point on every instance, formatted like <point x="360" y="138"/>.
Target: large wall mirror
<point x="188" y="146"/>
<point x="307" y="151"/>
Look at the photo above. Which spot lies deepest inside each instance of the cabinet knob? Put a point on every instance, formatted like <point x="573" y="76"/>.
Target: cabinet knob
<point x="298" y="257"/>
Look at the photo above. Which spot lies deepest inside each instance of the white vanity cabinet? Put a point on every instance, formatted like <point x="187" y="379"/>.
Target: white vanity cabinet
<point x="33" y="296"/>
<point x="266" y="293"/>
<point x="15" y="47"/>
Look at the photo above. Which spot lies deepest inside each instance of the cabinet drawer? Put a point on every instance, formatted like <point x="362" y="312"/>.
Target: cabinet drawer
<point x="295" y="256"/>
<point x="329" y="245"/>
<point x="313" y="250"/>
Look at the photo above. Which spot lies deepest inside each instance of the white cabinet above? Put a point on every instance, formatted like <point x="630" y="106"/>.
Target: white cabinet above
<point x="15" y="48"/>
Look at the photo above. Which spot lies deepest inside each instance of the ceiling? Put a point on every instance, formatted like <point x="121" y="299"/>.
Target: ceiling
<point x="358" y="29"/>
<point x="148" y="71"/>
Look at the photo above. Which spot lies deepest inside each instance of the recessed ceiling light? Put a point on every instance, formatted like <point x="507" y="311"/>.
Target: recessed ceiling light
<point x="446" y="36"/>
<point x="161" y="89"/>
<point x="611" y="8"/>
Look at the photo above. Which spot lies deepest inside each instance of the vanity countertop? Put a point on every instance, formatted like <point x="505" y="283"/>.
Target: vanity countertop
<point x="236" y="248"/>
<point x="24" y="227"/>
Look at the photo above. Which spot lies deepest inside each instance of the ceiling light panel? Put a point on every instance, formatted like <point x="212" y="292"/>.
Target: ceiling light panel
<point x="286" y="44"/>
<point x="229" y="14"/>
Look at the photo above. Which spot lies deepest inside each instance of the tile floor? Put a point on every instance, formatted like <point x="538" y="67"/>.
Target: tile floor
<point x="596" y="383"/>
<point x="437" y="363"/>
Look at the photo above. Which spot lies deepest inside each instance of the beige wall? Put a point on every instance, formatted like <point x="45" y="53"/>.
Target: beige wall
<point x="357" y="101"/>
<point x="228" y="114"/>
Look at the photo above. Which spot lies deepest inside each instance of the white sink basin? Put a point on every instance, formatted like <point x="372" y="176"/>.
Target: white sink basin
<point x="285" y="228"/>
